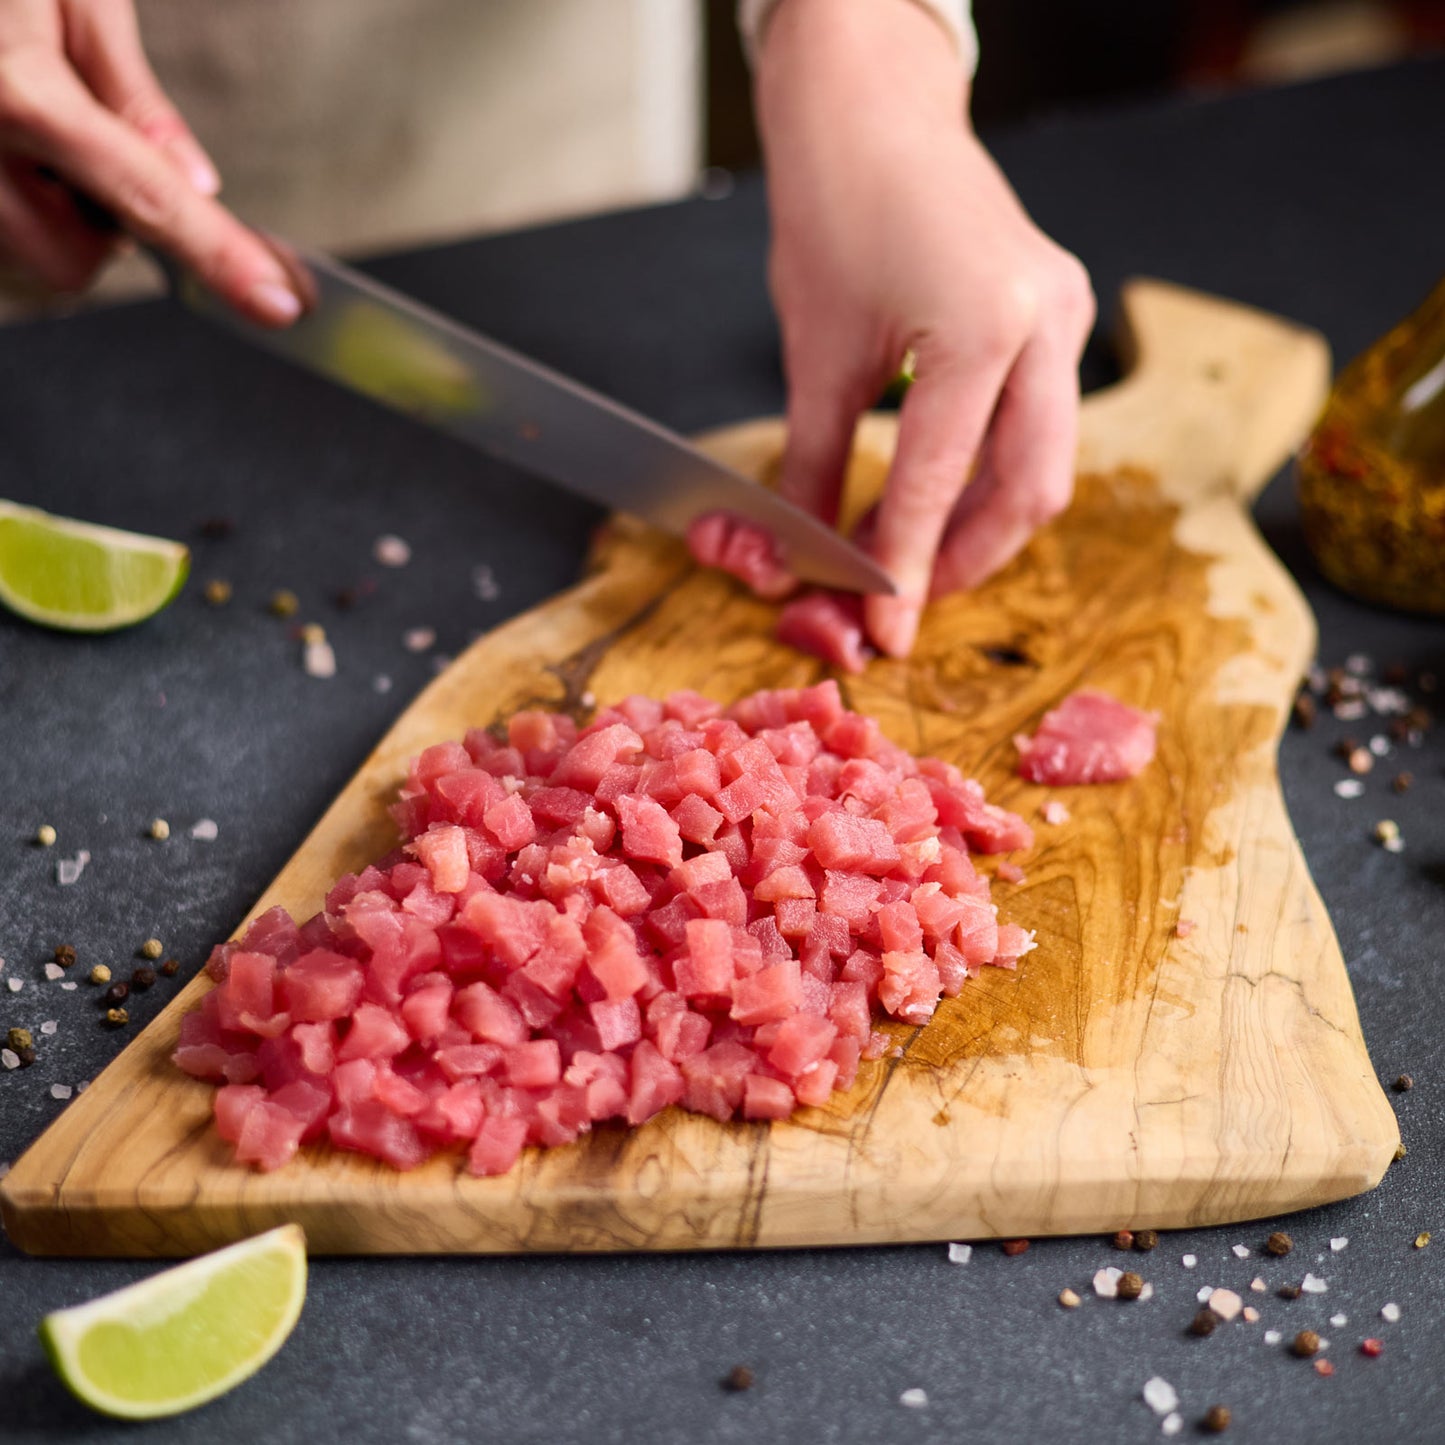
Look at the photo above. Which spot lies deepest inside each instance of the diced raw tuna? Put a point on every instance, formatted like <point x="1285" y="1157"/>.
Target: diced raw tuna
<point x="1089" y="738"/>
<point x="719" y="539"/>
<point x="674" y="905"/>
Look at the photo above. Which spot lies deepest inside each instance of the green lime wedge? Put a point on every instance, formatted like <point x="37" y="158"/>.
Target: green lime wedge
<point x="80" y="577"/>
<point x="182" y="1337"/>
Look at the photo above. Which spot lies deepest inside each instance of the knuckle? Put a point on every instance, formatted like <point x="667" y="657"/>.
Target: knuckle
<point x="1049" y="499"/>
<point x="1073" y="293"/>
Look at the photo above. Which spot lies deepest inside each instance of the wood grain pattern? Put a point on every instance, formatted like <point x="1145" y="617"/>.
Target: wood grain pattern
<point x="1122" y="1076"/>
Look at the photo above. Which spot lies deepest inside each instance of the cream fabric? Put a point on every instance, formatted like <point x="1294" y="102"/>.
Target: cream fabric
<point x="956" y="16"/>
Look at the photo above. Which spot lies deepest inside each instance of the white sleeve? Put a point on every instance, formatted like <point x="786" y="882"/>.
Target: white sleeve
<point x="954" y="15"/>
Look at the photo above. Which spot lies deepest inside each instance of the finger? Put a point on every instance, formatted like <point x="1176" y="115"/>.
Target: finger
<point x="104" y="44"/>
<point x="1027" y="475"/>
<point x="942" y="424"/>
<point x="47" y="111"/>
<point x="44" y="233"/>
<point x="821" y="421"/>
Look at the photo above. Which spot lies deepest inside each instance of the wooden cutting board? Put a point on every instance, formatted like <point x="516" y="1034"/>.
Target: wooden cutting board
<point x="1124" y="1076"/>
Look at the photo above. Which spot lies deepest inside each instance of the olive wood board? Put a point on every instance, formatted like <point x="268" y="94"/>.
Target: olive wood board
<point x="1128" y="1073"/>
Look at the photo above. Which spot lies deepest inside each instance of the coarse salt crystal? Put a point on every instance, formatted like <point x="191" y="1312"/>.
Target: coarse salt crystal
<point x="484" y="583"/>
<point x="915" y="1399"/>
<point x="391" y="551"/>
<point x="1159" y="1395"/>
<point x="1357" y="664"/>
<point x="70" y="985"/>
<point x="440" y="663"/>
<point x="1189" y="1260"/>
<point x="1106" y="1282"/>
<point x="1055" y="812"/>
<point x="49" y="1027"/>
<point x="319" y="659"/>
<point x="1241" y="1251"/>
<point x="1272" y="1337"/>
<point x="61" y="1091"/>
<point x="1390" y="1312"/>
<point x="960" y="1253"/>
<point x="1393" y="845"/>
<point x="1146" y="1291"/>
<point x="1313" y="1284"/>
<point x="1339" y="1321"/>
<point x="68" y="870"/>
<point x="1388" y="700"/>
<point x="205" y="830"/>
<point x="14" y="984"/>
<point x="1203" y="1293"/>
<point x="1225" y="1303"/>
<point x="4" y="1168"/>
<point x="1172" y="1423"/>
<point x="418" y="639"/>
<point x="54" y="971"/>
<point x="1258" y="1285"/>
<point x="1338" y="1243"/>
<point x="381" y="683"/>
<point x="82" y="1086"/>
<point x="1380" y="745"/>
<point x="1251" y="1315"/>
<point x="1352" y="709"/>
<point x="9" y="1059"/>
<point x="1349" y="788"/>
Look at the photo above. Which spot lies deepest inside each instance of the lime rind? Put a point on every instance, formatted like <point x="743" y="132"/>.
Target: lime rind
<point x="183" y="1337"/>
<point x="81" y="577"/>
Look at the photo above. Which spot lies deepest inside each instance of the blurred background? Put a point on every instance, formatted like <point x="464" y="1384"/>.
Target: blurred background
<point x="364" y="125"/>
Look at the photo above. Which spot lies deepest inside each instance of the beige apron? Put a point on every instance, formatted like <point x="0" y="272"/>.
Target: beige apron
<point x="363" y="124"/>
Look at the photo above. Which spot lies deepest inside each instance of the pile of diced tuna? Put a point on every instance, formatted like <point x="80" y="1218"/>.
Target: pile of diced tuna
<point x="675" y="905"/>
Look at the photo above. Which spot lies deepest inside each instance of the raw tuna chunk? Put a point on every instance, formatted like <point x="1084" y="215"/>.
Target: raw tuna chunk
<point x="718" y="539"/>
<point x="828" y="625"/>
<point x="1089" y="738"/>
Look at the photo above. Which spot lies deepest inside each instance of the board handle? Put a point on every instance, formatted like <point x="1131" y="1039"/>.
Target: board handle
<point x="1217" y="394"/>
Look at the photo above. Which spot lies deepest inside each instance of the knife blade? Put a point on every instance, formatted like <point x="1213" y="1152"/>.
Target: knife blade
<point x="376" y="341"/>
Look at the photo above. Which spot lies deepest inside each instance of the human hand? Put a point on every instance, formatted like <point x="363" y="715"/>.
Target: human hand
<point x="893" y="231"/>
<point x="81" y="111"/>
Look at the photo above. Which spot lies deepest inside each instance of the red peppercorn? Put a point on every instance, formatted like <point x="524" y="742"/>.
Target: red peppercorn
<point x="1015" y="1246"/>
<point x="1371" y="1347"/>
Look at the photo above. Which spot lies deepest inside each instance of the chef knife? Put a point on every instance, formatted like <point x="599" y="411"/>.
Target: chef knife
<point x="374" y="340"/>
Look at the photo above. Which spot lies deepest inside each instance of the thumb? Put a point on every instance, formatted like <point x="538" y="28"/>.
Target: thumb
<point x="104" y="44"/>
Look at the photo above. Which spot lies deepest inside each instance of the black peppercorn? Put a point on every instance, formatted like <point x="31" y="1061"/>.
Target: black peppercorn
<point x="1216" y="1419"/>
<point x="65" y="955"/>
<point x="117" y="993"/>
<point x="1289" y="1291"/>
<point x="1146" y="1239"/>
<point x="1129" y="1285"/>
<point x="738" y="1378"/>
<point x="170" y="967"/>
<point x="1279" y="1243"/>
<point x="1204" y="1323"/>
<point x="142" y="978"/>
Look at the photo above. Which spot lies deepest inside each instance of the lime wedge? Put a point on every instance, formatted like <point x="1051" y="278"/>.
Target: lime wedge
<point x="81" y="577"/>
<point x="182" y="1337"/>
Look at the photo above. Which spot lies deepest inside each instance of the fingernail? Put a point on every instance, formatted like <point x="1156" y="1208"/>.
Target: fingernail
<point x="274" y="304"/>
<point x="203" y="175"/>
<point x="894" y="624"/>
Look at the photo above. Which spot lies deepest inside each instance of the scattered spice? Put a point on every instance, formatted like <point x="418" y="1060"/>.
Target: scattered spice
<point x="1339" y="1321"/>
<point x="142" y="978"/>
<point x="318" y="659"/>
<point x="1288" y="1291"/>
<point x="1012" y="1247"/>
<point x="100" y="974"/>
<point x="1258" y="1285"/>
<point x="49" y="1028"/>
<point x="64" y="954"/>
<point x="54" y="971"/>
<point x="117" y="993"/>
<point x="1404" y="1084"/>
<point x="283" y="603"/>
<point x="1130" y="1285"/>
<point x="1225" y="1303"/>
<point x="312" y="633"/>
<point x="737" y="1379"/>
<point x="1069" y="1299"/>
<point x="1390" y="1313"/>
<point x="26" y="1056"/>
<point x="1360" y="761"/>
<point x="1422" y="1239"/>
<point x="1349" y="788"/>
<point x="1240" y="1251"/>
<point x="9" y="1059"/>
<point x="1306" y="1344"/>
<point x="19" y="1039"/>
<point x="1251" y="1315"/>
<point x="1106" y="1281"/>
<point x="160" y="830"/>
<point x="205" y="829"/>
<point x="1124" y="1239"/>
<point x="1400" y="1149"/>
<point x="61" y="1091"/>
<point x="1146" y="1239"/>
<point x="1304" y="711"/>
<point x="1278" y="1244"/>
<point x="151" y="948"/>
<point x="959" y="1253"/>
<point x="391" y="551"/>
<point x="1313" y="1284"/>
<point x="1372" y="1347"/>
<point x="1159" y="1395"/>
<point x="1401" y="782"/>
<point x="418" y="639"/>
<point x="1323" y="1367"/>
<point x="1216" y="1419"/>
<point x="45" y="835"/>
<point x="1188" y="1260"/>
<point x="915" y="1399"/>
<point x="171" y="967"/>
<point x="1386" y="830"/>
<point x="117" y="1017"/>
<point x="1339" y="1242"/>
<point x="68" y="870"/>
<point x="1272" y="1337"/>
<point x="217" y="592"/>
<point x="1204" y="1323"/>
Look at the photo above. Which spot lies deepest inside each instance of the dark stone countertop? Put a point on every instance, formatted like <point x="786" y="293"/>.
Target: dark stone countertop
<point x="1321" y="202"/>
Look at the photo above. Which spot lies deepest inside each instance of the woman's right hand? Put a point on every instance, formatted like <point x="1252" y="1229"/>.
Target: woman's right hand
<point x="82" y="112"/>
